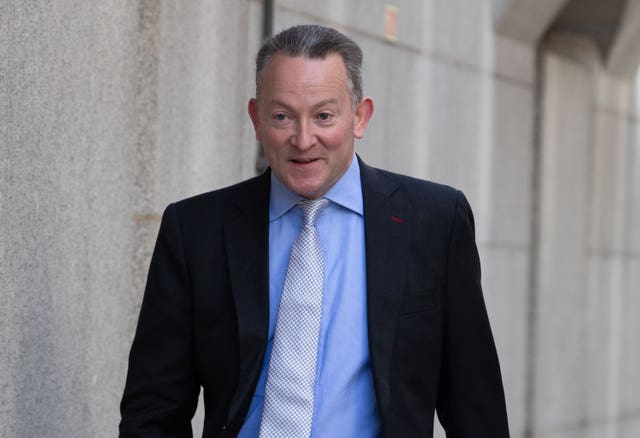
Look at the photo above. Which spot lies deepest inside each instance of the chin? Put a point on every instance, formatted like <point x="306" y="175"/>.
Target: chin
<point x="307" y="192"/>
<point x="310" y="194"/>
<point x="308" y="189"/>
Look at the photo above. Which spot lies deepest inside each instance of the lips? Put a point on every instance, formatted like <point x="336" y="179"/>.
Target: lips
<point x="304" y="160"/>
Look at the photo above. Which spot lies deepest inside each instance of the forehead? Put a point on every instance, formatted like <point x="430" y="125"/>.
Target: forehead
<point x="300" y="75"/>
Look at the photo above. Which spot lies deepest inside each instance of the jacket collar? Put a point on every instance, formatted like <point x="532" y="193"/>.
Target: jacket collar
<point x="388" y="221"/>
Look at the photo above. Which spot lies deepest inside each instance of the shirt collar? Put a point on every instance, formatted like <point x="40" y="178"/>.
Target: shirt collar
<point x="347" y="192"/>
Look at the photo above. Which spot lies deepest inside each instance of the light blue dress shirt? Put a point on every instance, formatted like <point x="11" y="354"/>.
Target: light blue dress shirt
<point x="345" y="403"/>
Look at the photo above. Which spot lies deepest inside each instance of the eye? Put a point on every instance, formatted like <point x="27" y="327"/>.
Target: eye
<point x="324" y="116"/>
<point x="280" y="117"/>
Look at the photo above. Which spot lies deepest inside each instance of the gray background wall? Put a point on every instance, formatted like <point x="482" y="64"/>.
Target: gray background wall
<point x="110" y="110"/>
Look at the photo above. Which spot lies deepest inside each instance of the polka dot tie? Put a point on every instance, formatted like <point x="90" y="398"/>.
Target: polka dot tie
<point x="288" y="401"/>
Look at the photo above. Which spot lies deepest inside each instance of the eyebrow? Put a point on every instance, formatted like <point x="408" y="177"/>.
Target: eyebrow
<point x="276" y="102"/>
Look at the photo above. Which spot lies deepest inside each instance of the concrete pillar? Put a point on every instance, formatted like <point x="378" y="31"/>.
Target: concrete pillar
<point x="110" y="110"/>
<point x="67" y="153"/>
<point x="629" y="327"/>
<point x="562" y="268"/>
<point x="582" y="356"/>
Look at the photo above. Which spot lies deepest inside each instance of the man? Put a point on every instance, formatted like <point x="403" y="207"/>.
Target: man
<point x="358" y="323"/>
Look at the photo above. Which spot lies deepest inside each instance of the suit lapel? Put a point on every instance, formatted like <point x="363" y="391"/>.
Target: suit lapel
<point x="387" y="235"/>
<point x="247" y="246"/>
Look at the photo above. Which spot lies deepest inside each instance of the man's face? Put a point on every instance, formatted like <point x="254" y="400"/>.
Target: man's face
<point x="306" y="123"/>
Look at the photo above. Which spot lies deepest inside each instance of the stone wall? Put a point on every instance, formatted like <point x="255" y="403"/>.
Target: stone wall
<point x="110" y="110"/>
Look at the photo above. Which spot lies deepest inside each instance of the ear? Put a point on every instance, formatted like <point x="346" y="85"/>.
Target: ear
<point x="363" y="114"/>
<point x="252" y="107"/>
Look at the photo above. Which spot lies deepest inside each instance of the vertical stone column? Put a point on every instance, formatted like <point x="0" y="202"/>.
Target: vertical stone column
<point x="108" y="112"/>
<point x="67" y="145"/>
<point x="563" y="223"/>
<point x="582" y="355"/>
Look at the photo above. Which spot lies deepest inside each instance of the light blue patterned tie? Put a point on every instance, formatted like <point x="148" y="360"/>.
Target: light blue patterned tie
<point x="288" y="401"/>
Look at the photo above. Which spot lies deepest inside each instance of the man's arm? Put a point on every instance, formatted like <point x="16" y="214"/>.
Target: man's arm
<point x="470" y="395"/>
<point x="161" y="392"/>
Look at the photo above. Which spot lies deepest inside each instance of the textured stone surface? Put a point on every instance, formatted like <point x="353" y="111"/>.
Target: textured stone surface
<point x="586" y="336"/>
<point x="608" y="176"/>
<point x="205" y="79"/>
<point x="68" y="139"/>
<point x="630" y="336"/>
<point x="94" y="96"/>
<point x="511" y="194"/>
<point x="603" y="336"/>
<point x="632" y="206"/>
<point x="562" y="261"/>
<point x="513" y="60"/>
<point x="505" y="285"/>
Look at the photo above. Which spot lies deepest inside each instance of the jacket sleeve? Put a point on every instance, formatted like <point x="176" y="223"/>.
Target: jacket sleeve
<point x="161" y="390"/>
<point x="471" y="399"/>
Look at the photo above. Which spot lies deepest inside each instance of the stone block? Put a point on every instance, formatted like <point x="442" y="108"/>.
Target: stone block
<point x="457" y="30"/>
<point x="629" y="426"/>
<point x="205" y="139"/>
<point x="513" y="60"/>
<point x="378" y="143"/>
<point x="459" y="134"/>
<point x="612" y="93"/>
<point x="630" y="340"/>
<point x="509" y="221"/>
<point x="602" y="336"/>
<point x="564" y="432"/>
<point x="364" y="18"/>
<point x="505" y="285"/>
<point x="632" y="192"/>
<point x="400" y="124"/>
<point x="607" y="197"/>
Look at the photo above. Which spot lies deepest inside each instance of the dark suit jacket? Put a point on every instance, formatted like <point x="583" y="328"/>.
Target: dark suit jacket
<point x="204" y="317"/>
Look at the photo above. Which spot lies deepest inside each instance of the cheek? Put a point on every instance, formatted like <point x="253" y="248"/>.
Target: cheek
<point x="276" y="136"/>
<point x="340" y="141"/>
<point x="272" y="143"/>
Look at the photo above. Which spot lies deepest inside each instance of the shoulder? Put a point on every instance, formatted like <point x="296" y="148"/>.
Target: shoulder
<point x="413" y="184"/>
<point x="411" y="189"/>
<point x="251" y="194"/>
<point x="433" y="204"/>
<point x="437" y="210"/>
<point x="228" y="194"/>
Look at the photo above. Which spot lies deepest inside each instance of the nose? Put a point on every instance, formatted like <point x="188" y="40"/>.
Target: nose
<point x="303" y="137"/>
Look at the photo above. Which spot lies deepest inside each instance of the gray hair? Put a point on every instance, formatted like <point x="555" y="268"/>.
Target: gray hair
<point x="314" y="42"/>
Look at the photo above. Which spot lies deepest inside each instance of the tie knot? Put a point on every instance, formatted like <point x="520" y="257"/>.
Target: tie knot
<point x="311" y="208"/>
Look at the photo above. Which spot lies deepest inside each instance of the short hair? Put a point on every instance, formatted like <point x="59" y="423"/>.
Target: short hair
<point x="314" y="42"/>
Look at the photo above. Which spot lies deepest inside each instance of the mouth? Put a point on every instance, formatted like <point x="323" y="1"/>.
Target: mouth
<point x="303" y="161"/>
